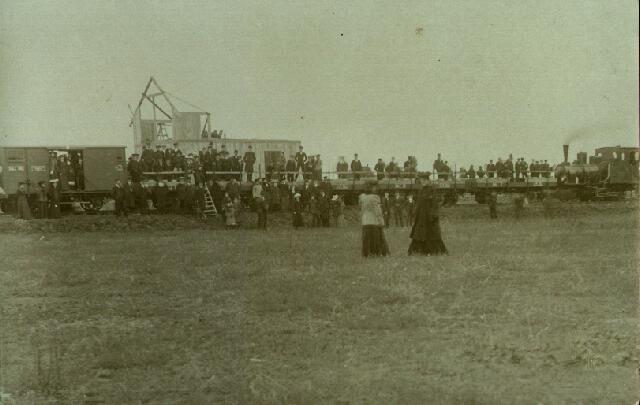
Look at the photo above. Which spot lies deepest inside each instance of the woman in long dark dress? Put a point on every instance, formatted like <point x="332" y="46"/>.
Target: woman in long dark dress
<point x="22" y="202"/>
<point x="373" y="241"/>
<point x="426" y="238"/>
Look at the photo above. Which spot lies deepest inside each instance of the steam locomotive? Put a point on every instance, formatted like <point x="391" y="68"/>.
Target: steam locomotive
<point x="611" y="169"/>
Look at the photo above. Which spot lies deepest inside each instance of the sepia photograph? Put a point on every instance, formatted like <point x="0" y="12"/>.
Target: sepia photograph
<point x="304" y="202"/>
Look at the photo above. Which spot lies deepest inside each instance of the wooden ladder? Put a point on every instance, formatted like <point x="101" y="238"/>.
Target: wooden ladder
<point x="209" y="206"/>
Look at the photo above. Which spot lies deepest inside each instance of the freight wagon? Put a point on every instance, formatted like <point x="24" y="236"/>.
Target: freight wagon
<point x="84" y="173"/>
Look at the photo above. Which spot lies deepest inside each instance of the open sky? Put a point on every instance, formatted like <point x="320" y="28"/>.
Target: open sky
<point x="473" y="79"/>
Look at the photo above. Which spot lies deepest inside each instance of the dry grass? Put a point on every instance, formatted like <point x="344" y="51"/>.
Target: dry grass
<point x="537" y="311"/>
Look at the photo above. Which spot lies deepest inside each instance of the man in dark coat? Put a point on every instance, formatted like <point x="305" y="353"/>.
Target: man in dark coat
<point x="342" y="168"/>
<point x="147" y="159"/>
<point x="480" y="172"/>
<point x="43" y="200"/>
<point x="437" y="166"/>
<point x="301" y="160"/>
<point x="291" y="168"/>
<point x="129" y="198"/>
<point x="324" y="209"/>
<point x="380" y="169"/>
<point x="392" y="169"/>
<point x="249" y="160"/>
<point x="491" y="170"/>
<point x="398" y="208"/>
<point x="500" y="168"/>
<point x="133" y="167"/>
<point x="426" y="237"/>
<point x="356" y="167"/>
<point x="233" y="188"/>
<point x="236" y="165"/>
<point x="54" y="199"/>
<point x="158" y="159"/>
<point x="118" y="195"/>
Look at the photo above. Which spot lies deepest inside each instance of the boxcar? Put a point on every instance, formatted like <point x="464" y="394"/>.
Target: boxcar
<point x="95" y="168"/>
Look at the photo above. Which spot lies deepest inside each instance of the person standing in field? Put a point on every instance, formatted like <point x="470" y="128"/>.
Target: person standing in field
<point x="493" y="202"/>
<point x="325" y="209"/>
<point x="411" y="210"/>
<point x="298" y="208"/>
<point x="426" y="238"/>
<point x="22" y="202"/>
<point x="398" y="207"/>
<point x="373" y="241"/>
<point x="337" y="211"/>
<point x="54" y="199"/>
<point x="43" y="200"/>
<point x="260" y="204"/>
<point x="118" y="195"/>
<point x="386" y="209"/>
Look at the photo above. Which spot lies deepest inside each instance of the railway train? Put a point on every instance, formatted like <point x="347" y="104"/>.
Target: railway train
<point x="87" y="173"/>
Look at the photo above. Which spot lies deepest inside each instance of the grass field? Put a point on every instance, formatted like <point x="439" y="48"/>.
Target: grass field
<point x="536" y="311"/>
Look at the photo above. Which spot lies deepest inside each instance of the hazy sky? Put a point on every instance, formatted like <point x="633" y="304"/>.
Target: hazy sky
<point x="473" y="79"/>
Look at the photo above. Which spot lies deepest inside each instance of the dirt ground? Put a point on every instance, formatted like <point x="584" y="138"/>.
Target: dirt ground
<point x="541" y="310"/>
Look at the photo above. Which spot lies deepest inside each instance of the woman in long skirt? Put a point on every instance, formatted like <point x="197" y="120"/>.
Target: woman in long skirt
<point x="373" y="241"/>
<point x="22" y="202"/>
<point x="426" y="238"/>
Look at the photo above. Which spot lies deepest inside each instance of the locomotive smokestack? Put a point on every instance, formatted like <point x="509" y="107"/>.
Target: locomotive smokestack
<point x="565" y="150"/>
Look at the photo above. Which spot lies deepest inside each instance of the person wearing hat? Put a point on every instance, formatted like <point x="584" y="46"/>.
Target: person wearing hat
<point x="392" y="169"/>
<point x="257" y="192"/>
<point x="373" y="240"/>
<point x="309" y="167"/>
<point x="249" y="160"/>
<point x="342" y="167"/>
<point x="356" y="167"/>
<point x="298" y="208"/>
<point x="54" y="199"/>
<point x="118" y="194"/>
<point x="380" y="169"/>
<point x="325" y="209"/>
<point x="133" y="168"/>
<point x="236" y="166"/>
<point x="337" y="211"/>
<point x="385" y="202"/>
<point x="290" y="168"/>
<point x="158" y="159"/>
<point x="301" y="160"/>
<point x="426" y="238"/>
<point x="43" y="200"/>
<point x="22" y="202"/>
